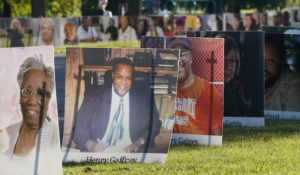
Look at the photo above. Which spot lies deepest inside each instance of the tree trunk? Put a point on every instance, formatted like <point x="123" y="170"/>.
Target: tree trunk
<point x="133" y="7"/>
<point x="219" y="6"/>
<point x="6" y="9"/>
<point x="37" y="8"/>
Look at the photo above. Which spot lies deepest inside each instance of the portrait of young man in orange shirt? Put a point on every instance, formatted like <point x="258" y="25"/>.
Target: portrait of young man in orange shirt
<point x="199" y="108"/>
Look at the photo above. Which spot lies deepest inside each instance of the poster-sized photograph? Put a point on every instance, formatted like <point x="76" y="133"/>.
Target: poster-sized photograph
<point x="179" y="21"/>
<point x="230" y="21"/>
<point x="251" y="21"/>
<point x="109" y="28"/>
<point x="199" y="108"/>
<point x="97" y="29"/>
<point x="157" y="25"/>
<point x="15" y="32"/>
<point x="283" y="18"/>
<point x="46" y="31"/>
<point x="68" y="31"/>
<point x="243" y="76"/>
<point x="196" y="22"/>
<point x="119" y="104"/>
<point x="282" y="78"/>
<point x="29" y="134"/>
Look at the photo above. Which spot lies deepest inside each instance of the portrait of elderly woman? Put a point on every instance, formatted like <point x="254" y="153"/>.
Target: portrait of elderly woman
<point x="34" y="139"/>
<point x="44" y="31"/>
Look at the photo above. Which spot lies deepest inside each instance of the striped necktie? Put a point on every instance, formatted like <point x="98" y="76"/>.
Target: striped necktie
<point x="116" y="128"/>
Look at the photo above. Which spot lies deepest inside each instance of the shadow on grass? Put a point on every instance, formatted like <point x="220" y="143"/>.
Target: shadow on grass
<point x="274" y="128"/>
<point x="88" y="167"/>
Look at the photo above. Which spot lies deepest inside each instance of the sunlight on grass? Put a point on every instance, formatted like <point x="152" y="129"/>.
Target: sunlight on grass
<point x="102" y="45"/>
<point x="245" y="150"/>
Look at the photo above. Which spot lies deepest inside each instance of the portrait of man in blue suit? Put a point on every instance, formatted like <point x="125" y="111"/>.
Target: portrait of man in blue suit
<point x="119" y="115"/>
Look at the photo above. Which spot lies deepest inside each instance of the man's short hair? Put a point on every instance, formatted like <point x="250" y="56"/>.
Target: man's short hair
<point x="122" y="60"/>
<point x="84" y="18"/>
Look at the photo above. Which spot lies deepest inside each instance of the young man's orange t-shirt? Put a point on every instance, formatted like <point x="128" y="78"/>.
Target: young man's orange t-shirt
<point x="195" y="113"/>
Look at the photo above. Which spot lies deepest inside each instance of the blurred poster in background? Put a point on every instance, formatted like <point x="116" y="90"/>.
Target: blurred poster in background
<point x="282" y="78"/>
<point x="15" y="32"/>
<point x="199" y="103"/>
<point x="46" y="31"/>
<point x="243" y="76"/>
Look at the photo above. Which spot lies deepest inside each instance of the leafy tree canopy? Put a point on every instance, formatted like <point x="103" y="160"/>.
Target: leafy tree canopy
<point x="53" y="8"/>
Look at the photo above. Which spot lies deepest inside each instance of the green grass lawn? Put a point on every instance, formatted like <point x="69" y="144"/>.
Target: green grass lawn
<point x="111" y="44"/>
<point x="274" y="149"/>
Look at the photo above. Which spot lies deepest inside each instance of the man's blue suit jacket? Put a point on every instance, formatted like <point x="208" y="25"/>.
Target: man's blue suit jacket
<point x="93" y="116"/>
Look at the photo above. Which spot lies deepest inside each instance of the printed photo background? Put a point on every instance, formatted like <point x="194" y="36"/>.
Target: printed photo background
<point x="46" y="144"/>
<point x="143" y="27"/>
<point x="196" y="23"/>
<point x="106" y="27"/>
<point x="212" y="22"/>
<point x="179" y="22"/>
<point x="90" y="69"/>
<point x="282" y="98"/>
<point x="68" y="30"/>
<point x="262" y="20"/>
<point x="46" y="31"/>
<point x="127" y="30"/>
<point x="15" y="32"/>
<point x="244" y="92"/>
<point x="283" y="18"/>
<point x="250" y="21"/>
<point x="229" y="21"/>
<point x="110" y="28"/>
<point x="157" y="26"/>
<point x="202" y="57"/>
<point x="12" y="58"/>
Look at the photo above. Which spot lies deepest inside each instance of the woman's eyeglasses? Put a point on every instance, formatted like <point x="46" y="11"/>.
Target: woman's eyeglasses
<point x="38" y="94"/>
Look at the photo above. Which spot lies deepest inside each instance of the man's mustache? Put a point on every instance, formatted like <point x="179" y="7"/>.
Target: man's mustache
<point x="267" y="72"/>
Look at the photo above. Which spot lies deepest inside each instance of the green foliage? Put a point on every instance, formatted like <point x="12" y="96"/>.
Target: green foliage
<point x="20" y="8"/>
<point x="294" y="3"/>
<point x="1" y="8"/>
<point x="273" y="149"/>
<point x="63" y="8"/>
<point x="260" y="5"/>
<point x="90" y="7"/>
<point x="53" y="8"/>
<point x="128" y="44"/>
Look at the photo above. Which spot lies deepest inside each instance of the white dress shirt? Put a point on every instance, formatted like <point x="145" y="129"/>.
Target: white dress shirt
<point x="128" y="35"/>
<point x="126" y="140"/>
<point x="83" y="34"/>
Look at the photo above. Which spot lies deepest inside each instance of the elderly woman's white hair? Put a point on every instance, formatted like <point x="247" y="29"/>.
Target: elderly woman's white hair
<point x="47" y="20"/>
<point x="36" y="62"/>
